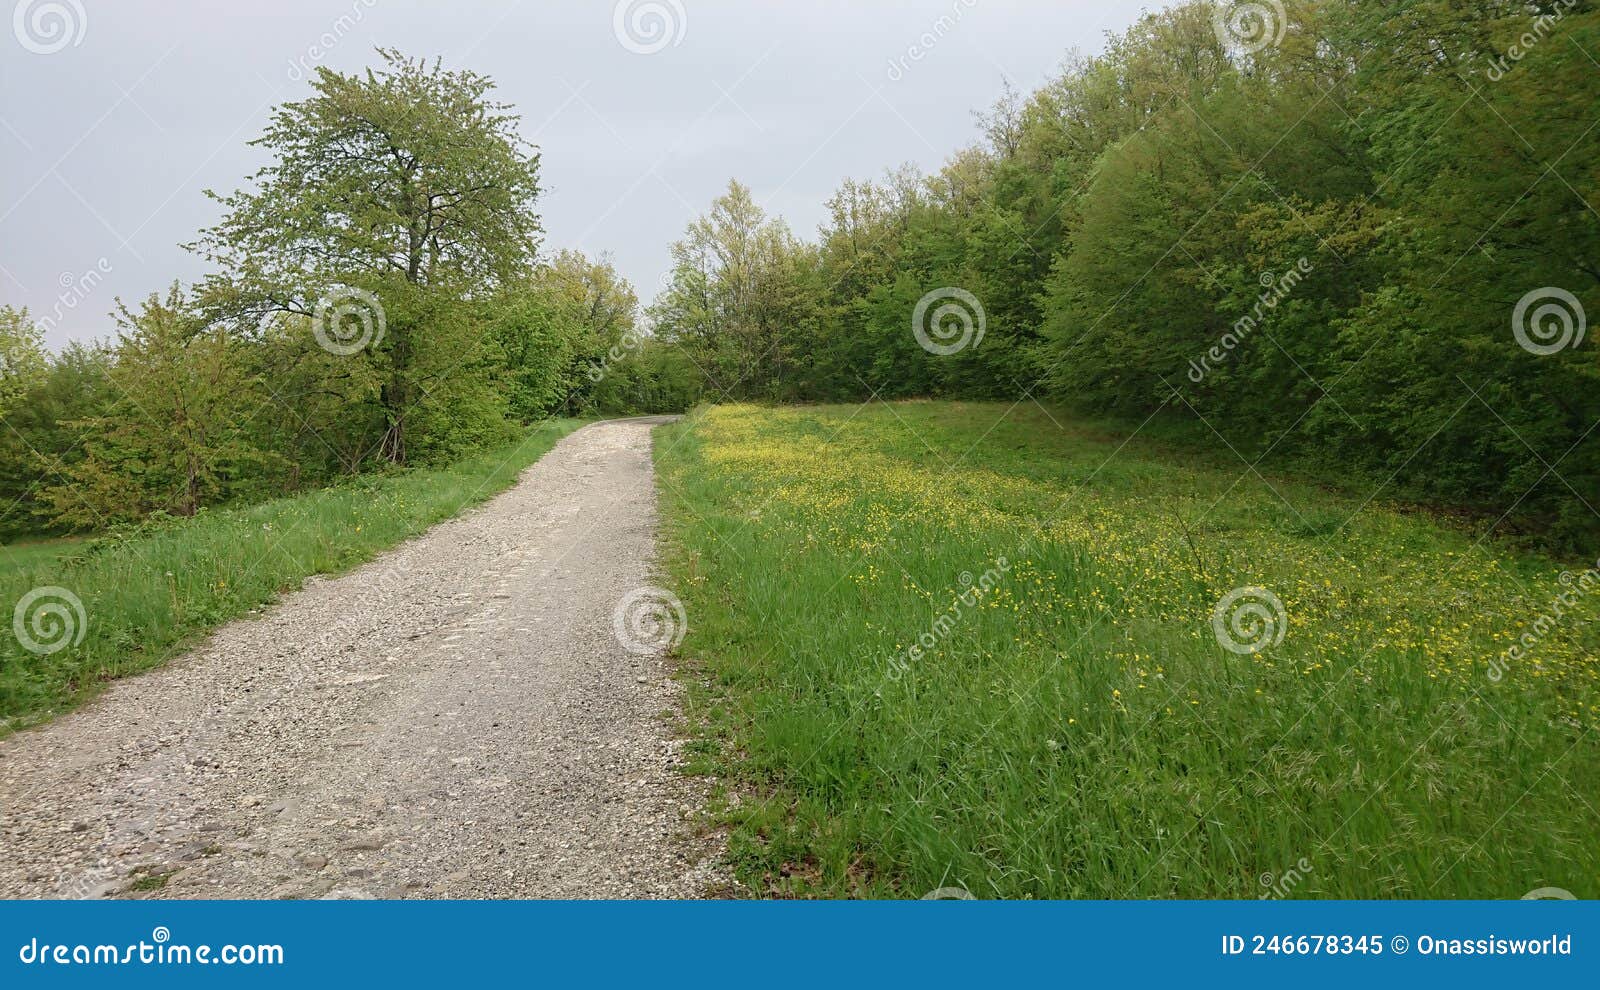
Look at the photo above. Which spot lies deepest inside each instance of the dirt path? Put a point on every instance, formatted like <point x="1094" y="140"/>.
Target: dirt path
<point x="459" y="718"/>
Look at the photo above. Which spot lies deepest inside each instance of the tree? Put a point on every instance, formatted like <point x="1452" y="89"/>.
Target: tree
<point x="175" y="436"/>
<point x="739" y="296"/>
<point x="22" y="362"/>
<point x="597" y="311"/>
<point x="325" y="407"/>
<point x="36" y="392"/>
<point x="74" y="387"/>
<point x="560" y="333"/>
<point x="393" y="196"/>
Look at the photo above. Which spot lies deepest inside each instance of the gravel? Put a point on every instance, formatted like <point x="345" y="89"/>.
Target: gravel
<point x="458" y="718"/>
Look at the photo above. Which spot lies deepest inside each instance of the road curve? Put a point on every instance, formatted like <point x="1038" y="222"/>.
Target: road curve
<point x="457" y="718"/>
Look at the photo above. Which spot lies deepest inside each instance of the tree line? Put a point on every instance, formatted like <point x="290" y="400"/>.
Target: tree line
<point x="379" y="299"/>
<point x="1359" y="236"/>
<point x="1356" y="235"/>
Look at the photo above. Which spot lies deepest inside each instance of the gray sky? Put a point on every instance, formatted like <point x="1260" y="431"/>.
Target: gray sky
<point x="115" y="114"/>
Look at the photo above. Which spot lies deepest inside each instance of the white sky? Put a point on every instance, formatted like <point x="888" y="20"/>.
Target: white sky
<point x="106" y="143"/>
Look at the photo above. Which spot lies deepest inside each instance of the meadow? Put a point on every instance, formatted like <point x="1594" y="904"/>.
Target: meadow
<point x="937" y="645"/>
<point x="124" y="602"/>
<point x="36" y="553"/>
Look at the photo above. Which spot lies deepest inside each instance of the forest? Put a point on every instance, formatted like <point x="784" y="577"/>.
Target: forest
<point x="1364" y="242"/>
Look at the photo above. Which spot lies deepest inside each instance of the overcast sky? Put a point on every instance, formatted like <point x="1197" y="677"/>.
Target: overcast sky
<point x="116" y="114"/>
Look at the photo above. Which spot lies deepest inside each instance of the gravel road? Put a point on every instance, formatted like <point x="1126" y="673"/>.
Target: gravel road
<point x="462" y="717"/>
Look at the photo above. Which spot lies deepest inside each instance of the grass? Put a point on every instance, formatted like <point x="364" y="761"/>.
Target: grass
<point x="926" y="653"/>
<point x="28" y="556"/>
<point x="150" y="881"/>
<point x="147" y="595"/>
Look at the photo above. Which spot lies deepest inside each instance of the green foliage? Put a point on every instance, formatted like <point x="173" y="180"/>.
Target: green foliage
<point x="1312" y="250"/>
<point x="646" y="375"/>
<point x="536" y="350"/>
<point x="596" y="313"/>
<point x="22" y="364"/>
<point x="738" y="298"/>
<point x="173" y="437"/>
<point x="379" y="302"/>
<point x="407" y="190"/>
<point x="408" y="169"/>
<point x="74" y="388"/>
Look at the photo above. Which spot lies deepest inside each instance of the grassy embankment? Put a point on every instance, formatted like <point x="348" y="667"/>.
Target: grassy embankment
<point x="148" y="595"/>
<point x="1079" y="730"/>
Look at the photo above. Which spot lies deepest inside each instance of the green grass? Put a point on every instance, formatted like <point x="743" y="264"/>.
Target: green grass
<point x="150" y="881"/>
<point x="1078" y="729"/>
<point x="16" y="557"/>
<point x="148" y="594"/>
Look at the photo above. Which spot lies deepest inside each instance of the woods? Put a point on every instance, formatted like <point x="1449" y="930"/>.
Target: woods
<point x="1382" y="216"/>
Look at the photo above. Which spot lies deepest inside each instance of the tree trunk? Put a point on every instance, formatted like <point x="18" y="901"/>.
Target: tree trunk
<point x="393" y="446"/>
<point x="396" y="395"/>
<point x="394" y="442"/>
<point x="191" y="500"/>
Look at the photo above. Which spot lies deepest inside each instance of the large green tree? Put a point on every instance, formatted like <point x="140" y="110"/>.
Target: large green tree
<point x="392" y="197"/>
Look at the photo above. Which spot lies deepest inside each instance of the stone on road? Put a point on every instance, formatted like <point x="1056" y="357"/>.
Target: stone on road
<point x="456" y="718"/>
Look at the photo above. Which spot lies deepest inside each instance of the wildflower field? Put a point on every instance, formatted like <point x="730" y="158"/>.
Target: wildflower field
<point x="1044" y="659"/>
